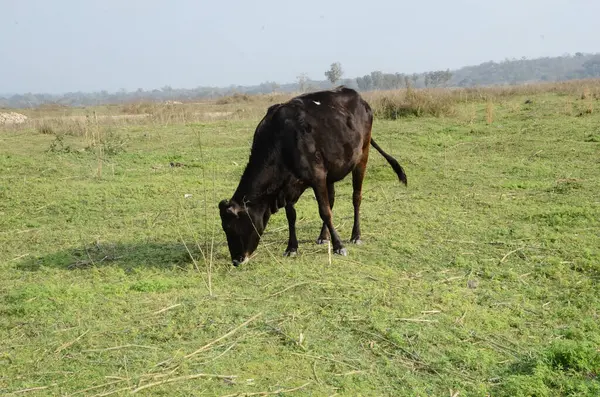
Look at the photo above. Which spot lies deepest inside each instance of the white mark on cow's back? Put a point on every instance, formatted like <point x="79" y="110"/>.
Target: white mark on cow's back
<point x="318" y="103"/>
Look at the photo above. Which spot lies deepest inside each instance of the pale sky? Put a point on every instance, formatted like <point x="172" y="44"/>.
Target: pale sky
<point x="57" y="46"/>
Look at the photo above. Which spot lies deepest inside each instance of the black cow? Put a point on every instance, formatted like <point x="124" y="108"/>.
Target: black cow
<point x="312" y="140"/>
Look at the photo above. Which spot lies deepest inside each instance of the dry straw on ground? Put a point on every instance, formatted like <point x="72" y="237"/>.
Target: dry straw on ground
<point x="12" y="118"/>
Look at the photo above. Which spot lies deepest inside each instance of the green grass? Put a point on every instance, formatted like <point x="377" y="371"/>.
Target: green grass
<point x="481" y="277"/>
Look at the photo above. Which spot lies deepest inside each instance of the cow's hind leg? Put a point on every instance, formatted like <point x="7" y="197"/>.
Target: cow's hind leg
<point x="321" y="192"/>
<point x="292" y="247"/>
<point x="324" y="235"/>
<point x="358" y="175"/>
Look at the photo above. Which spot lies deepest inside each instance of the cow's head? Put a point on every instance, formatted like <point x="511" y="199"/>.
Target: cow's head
<point x="242" y="229"/>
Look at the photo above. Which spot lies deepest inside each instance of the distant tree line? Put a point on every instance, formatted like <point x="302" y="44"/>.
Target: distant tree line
<point x="509" y="71"/>
<point x="517" y="71"/>
<point x="378" y="80"/>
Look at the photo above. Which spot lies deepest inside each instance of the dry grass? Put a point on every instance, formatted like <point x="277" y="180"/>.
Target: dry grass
<point x="261" y="98"/>
<point x="571" y="87"/>
<point x="386" y="104"/>
<point x="235" y="98"/>
<point x="439" y="102"/>
<point x="489" y="112"/>
<point x="402" y="103"/>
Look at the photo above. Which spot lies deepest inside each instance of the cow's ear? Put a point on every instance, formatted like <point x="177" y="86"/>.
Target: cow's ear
<point x="231" y="208"/>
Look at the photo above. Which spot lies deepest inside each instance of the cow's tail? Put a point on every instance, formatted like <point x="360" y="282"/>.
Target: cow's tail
<point x="397" y="167"/>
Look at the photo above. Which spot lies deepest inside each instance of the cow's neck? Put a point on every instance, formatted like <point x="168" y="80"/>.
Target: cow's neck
<point x="259" y="189"/>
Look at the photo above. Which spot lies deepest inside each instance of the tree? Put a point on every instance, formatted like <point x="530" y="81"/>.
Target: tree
<point x="445" y="77"/>
<point x="368" y="82"/>
<point x="361" y="83"/>
<point x="350" y="83"/>
<point x="591" y="67"/>
<point x="400" y="78"/>
<point x="414" y="77"/>
<point x="302" y="78"/>
<point x="334" y="73"/>
<point x="437" y="78"/>
<point x="377" y="79"/>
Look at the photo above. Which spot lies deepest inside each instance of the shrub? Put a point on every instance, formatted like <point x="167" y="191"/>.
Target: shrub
<point x="411" y="102"/>
<point x="45" y="129"/>
<point x="139" y="108"/>
<point x="235" y="98"/>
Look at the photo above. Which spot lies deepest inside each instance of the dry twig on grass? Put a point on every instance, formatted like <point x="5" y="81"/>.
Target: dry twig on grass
<point x="268" y="393"/>
<point x="97" y="387"/>
<point x="228" y="334"/>
<point x="181" y="378"/>
<point x="69" y="344"/>
<point x="31" y="389"/>
<point x="509" y="253"/>
<point x="120" y="347"/>
<point x="167" y="308"/>
<point x="417" y="320"/>
<point x="285" y="289"/>
<point x="326" y="359"/>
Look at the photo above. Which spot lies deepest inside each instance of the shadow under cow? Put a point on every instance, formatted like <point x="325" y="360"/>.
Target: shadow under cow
<point x="164" y="255"/>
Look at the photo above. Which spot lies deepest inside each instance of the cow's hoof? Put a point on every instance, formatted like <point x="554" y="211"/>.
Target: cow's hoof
<point x="341" y="251"/>
<point x="290" y="252"/>
<point x="322" y="240"/>
<point x="357" y="241"/>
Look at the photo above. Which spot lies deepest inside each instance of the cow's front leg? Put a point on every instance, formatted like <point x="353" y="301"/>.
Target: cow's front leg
<point x="322" y="196"/>
<point x="292" y="247"/>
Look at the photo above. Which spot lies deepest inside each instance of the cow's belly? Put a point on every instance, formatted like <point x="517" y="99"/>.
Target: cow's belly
<point x="339" y="166"/>
<point x="332" y="155"/>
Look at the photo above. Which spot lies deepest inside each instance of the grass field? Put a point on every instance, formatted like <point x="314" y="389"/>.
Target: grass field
<point x="481" y="278"/>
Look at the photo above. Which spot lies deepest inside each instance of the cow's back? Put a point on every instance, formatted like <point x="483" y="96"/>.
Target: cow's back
<point x="327" y="129"/>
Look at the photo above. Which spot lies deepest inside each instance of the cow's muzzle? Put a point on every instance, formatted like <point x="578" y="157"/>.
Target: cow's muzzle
<point x="240" y="261"/>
